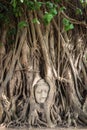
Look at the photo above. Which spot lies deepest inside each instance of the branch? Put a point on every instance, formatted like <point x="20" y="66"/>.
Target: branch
<point x="74" y="20"/>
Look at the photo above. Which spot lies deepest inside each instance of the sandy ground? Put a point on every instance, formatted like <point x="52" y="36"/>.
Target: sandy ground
<point x="71" y="128"/>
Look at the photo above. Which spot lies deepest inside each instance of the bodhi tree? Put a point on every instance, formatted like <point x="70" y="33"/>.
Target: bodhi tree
<point x="43" y="63"/>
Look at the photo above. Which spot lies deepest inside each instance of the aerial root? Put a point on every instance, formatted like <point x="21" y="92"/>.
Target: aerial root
<point x="41" y="123"/>
<point x="17" y="124"/>
<point x="56" y="115"/>
<point x="52" y="116"/>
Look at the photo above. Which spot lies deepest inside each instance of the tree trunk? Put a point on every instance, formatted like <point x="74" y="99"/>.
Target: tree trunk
<point x="43" y="67"/>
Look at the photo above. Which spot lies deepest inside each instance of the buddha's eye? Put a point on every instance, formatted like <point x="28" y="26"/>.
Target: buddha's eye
<point x="45" y="91"/>
<point x="39" y="92"/>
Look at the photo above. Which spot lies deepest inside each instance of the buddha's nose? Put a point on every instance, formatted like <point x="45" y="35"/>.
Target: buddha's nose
<point x="43" y="94"/>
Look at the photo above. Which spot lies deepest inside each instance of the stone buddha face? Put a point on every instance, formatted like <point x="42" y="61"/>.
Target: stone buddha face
<point x="41" y="91"/>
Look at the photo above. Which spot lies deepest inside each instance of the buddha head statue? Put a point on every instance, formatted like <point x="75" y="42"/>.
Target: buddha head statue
<point x="41" y="91"/>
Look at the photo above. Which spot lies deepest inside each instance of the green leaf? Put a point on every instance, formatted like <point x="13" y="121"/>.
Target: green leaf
<point x="82" y="1"/>
<point x="35" y="20"/>
<point x="53" y="11"/>
<point x="49" y="4"/>
<point x="69" y="27"/>
<point x="14" y="3"/>
<point x="30" y="5"/>
<point x="67" y="24"/>
<point x="37" y="5"/>
<point x="17" y="12"/>
<point x="79" y="11"/>
<point x="47" y="18"/>
<point x="22" y="24"/>
<point x="65" y="21"/>
<point x="62" y="9"/>
<point x="21" y="1"/>
<point x="33" y="5"/>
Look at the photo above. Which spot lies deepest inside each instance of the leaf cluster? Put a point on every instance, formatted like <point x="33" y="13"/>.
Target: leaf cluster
<point x="33" y="5"/>
<point x="15" y="8"/>
<point x="52" y="11"/>
<point x="67" y="24"/>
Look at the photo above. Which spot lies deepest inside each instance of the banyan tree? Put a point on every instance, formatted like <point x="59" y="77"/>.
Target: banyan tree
<point x="43" y="63"/>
